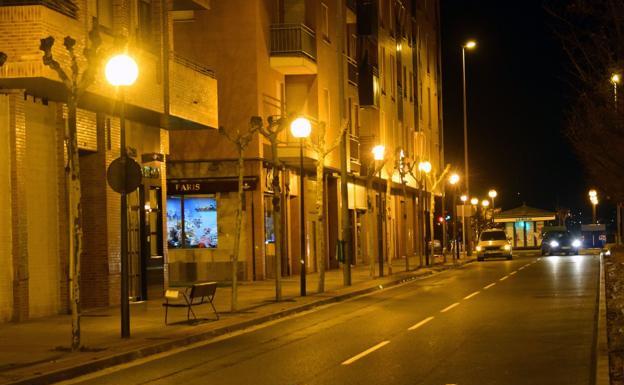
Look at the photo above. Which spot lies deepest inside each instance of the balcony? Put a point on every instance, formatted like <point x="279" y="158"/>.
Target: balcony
<point x="65" y="7"/>
<point x="193" y="91"/>
<point x="352" y="71"/>
<point x="368" y="82"/>
<point x="293" y="49"/>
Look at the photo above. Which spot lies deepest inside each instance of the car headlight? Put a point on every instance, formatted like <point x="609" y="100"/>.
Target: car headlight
<point x="507" y="247"/>
<point x="479" y="248"/>
<point x="554" y="244"/>
<point x="576" y="243"/>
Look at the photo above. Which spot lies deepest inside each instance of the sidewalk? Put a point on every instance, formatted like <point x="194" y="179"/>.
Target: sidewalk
<point x="36" y="351"/>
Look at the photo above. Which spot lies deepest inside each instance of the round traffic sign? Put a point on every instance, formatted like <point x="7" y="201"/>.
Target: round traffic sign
<point x="115" y="171"/>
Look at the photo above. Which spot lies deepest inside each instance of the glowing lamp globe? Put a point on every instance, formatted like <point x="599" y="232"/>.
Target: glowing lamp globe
<point x="453" y="179"/>
<point x="485" y="203"/>
<point x="378" y="152"/>
<point x="464" y="198"/>
<point x="470" y="44"/>
<point x="300" y="128"/>
<point x="121" y="70"/>
<point x="474" y="201"/>
<point x="492" y="194"/>
<point x="424" y="167"/>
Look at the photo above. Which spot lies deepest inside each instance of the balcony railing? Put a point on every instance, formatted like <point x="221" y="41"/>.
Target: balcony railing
<point x="66" y="7"/>
<point x="293" y="39"/>
<point x="195" y="66"/>
<point x="352" y="71"/>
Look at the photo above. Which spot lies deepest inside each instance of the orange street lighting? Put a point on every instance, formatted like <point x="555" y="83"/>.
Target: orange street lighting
<point x="492" y="194"/>
<point x="425" y="167"/>
<point x="453" y="179"/>
<point x="121" y="70"/>
<point x="379" y="151"/>
<point x="470" y="44"/>
<point x="474" y="201"/>
<point x="485" y="203"/>
<point x="615" y="78"/>
<point x="464" y="198"/>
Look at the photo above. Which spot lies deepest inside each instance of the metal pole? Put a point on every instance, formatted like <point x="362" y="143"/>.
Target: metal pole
<point x="425" y="218"/>
<point x="615" y="96"/>
<point x="302" y="214"/>
<point x="380" y="228"/>
<point x="125" y="302"/>
<point x="455" y="241"/>
<point x="466" y="173"/>
<point x="464" y="226"/>
<point x="593" y="213"/>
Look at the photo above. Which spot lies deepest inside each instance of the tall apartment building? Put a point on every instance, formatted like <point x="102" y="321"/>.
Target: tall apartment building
<point x="282" y="56"/>
<point x="171" y="92"/>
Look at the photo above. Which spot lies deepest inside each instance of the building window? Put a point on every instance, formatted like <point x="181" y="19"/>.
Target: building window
<point x="145" y="21"/>
<point x="382" y="69"/>
<point x="326" y="106"/>
<point x="192" y="221"/>
<point x="105" y="13"/>
<point x="392" y="77"/>
<point x="429" y="107"/>
<point x="325" y="21"/>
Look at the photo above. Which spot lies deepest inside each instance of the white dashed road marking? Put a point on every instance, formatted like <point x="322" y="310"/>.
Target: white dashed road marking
<point x="489" y="286"/>
<point x="421" y="323"/>
<point x="504" y="278"/>
<point x="513" y="272"/>
<point x="365" y="352"/>
<point x="449" y="307"/>
<point x="472" y="295"/>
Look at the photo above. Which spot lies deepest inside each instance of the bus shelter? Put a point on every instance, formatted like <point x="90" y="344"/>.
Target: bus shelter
<point x="524" y="225"/>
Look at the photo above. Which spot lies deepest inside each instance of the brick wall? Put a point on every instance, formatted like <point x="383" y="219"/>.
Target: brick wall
<point x="6" y="257"/>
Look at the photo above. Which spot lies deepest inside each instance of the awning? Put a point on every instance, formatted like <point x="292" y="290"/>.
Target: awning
<point x="524" y="213"/>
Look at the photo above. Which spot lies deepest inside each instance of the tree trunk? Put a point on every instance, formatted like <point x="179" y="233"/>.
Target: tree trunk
<point x="239" y="220"/>
<point x="277" y="221"/>
<point x="75" y="223"/>
<point x="371" y="225"/>
<point x="432" y="236"/>
<point x="404" y="216"/>
<point x="320" y="224"/>
<point x="389" y="243"/>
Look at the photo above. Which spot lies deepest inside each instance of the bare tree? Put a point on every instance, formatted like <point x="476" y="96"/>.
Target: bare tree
<point x="371" y="170"/>
<point x="592" y="37"/>
<point x="76" y="84"/>
<point x="322" y="150"/>
<point x="241" y="140"/>
<point x="435" y="182"/>
<point x="275" y="126"/>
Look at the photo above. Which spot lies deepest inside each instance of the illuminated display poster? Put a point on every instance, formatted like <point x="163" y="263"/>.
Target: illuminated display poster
<point x="197" y="216"/>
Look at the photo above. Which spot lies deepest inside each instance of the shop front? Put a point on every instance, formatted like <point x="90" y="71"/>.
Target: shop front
<point x="524" y="225"/>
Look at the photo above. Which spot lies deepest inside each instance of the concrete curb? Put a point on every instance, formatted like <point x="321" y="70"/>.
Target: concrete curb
<point x="125" y="357"/>
<point x="602" y="348"/>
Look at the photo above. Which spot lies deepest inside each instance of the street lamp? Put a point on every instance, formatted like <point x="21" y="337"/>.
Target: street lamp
<point x="425" y="169"/>
<point x="122" y="71"/>
<point x="492" y="194"/>
<point x="593" y="198"/>
<point x="301" y="128"/>
<point x="615" y="80"/>
<point x="378" y="155"/>
<point x="469" y="45"/>
<point x="453" y="180"/>
<point x="464" y="199"/>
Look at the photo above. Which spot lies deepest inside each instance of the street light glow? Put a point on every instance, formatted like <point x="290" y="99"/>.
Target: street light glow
<point x="615" y="78"/>
<point x="453" y="179"/>
<point x="300" y="128"/>
<point x="424" y="167"/>
<point x="485" y="203"/>
<point x="121" y="70"/>
<point x="593" y="193"/>
<point x="379" y="151"/>
<point x="492" y="194"/>
<point x="474" y="201"/>
<point x="464" y="198"/>
<point x="470" y="44"/>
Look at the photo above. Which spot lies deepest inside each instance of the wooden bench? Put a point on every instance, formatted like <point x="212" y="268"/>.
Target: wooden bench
<point x="197" y="294"/>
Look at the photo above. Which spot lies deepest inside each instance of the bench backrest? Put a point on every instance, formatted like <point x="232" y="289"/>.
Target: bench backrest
<point x="203" y="289"/>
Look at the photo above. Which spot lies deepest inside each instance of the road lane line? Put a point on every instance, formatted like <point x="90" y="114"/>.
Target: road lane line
<point x="489" y="286"/>
<point x="421" y="323"/>
<point x="472" y="295"/>
<point x="504" y="278"/>
<point x="513" y="272"/>
<point x="449" y="307"/>
<point x="365" y="352"/>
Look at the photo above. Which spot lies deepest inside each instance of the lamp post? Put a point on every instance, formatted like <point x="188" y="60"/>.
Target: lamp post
<point x="300" y="128"/>
<point x="122" y="71"/>
<point x="593" y="198"/>
<point x="464" y="198"/>
<point x="425" y="169"/>
<point x="475" y="205"/>
<point x="469" y="45"/>
<point x="615" y="80"/>
<point x="453" y="180"/>
<point x="492" y="194"/>
<point x="378" y="156"/>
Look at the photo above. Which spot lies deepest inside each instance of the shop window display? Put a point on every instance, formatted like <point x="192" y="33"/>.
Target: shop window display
<point x="192" y="222"/>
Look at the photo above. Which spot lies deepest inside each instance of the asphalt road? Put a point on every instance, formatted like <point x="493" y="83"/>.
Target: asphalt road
<point x="525" y="321"/>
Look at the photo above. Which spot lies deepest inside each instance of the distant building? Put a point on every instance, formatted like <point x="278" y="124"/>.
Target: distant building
<point x="524" y="225"/>
<point x="171" y="92"/>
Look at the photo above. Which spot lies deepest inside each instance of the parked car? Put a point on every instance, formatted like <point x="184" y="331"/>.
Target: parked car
<point x="493" y="243"/>
<point x="560" y="242"/>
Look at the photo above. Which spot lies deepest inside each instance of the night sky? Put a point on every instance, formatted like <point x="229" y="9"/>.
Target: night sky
<point x="517" y="97"/>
